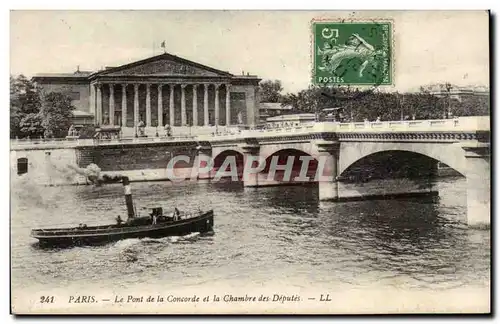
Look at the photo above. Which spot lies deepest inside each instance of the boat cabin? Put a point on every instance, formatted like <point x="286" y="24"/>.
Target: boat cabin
<point x="157" y="211"/>
<point x="146" y="220"/>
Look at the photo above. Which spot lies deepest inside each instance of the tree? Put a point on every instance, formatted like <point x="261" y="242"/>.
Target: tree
<point x="15" y="120"/>
<point x="311" y="99"/>
<point x="423" y="105"/>
<point x="24" y="100"/>
<point x="56" y="114"/>
<point x="355" y="105"/>
<point x="358" y="105"/>
<point x="270" y="91"/>
<point x="31" y="125"/>
<point x="473" y="105"/>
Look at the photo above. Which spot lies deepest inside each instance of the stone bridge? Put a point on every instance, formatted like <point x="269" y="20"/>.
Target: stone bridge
<point x="463" y="144"/>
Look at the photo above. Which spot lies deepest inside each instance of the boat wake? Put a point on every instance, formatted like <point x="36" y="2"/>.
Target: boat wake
<point x="129" y="249"/>
<point x="128" y="244"/>
<point x="125" y="244"/>
<point x="173" y="239"/>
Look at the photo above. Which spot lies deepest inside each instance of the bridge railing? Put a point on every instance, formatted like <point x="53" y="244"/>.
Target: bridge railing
<point x="261" y="132"/>
<point x="43" y="143"/>
<point x="457" y="124"/>
<point x="69" y="143"/>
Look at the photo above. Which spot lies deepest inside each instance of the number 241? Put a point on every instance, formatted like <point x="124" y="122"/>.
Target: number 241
<point x="46" y="299"/>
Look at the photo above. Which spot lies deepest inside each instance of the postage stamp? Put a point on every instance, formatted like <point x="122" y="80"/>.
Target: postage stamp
<point x="352" y="53"/>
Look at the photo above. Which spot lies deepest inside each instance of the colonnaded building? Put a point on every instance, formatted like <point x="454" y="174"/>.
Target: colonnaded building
<point x="160" y="90"/>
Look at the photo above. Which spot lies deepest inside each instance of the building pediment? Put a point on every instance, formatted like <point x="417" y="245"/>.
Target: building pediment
<point x="164" y="65"/>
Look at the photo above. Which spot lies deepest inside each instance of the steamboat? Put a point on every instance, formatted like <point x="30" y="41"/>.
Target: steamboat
<point x="154" y="225"/>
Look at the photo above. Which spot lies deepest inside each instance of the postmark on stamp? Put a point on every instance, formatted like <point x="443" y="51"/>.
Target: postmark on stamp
<point x="352" y="53"/>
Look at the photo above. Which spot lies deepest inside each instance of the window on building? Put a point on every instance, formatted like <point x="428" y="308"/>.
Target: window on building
<point x="22" y="166"/>
<point x="238" y="108"/>
<point x="238" y="96"/>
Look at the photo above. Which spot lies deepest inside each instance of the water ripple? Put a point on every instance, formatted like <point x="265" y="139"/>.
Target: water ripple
<point x="262" y="236"/>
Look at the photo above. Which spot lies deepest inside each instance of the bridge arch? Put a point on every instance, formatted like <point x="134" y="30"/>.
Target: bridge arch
<point x="306" y="148"/>
<point x="449" y="154"/>
<point x="389" y="165"/>
<point x="219" y="159"/>
<point x="300" y="159"/>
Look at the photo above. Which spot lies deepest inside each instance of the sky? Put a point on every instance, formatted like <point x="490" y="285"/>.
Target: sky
<point x="429" y="46"/>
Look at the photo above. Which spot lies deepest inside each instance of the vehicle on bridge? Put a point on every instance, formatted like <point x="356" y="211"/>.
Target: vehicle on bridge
<point x="108" y="132"/>
<point x="333" y="115"/>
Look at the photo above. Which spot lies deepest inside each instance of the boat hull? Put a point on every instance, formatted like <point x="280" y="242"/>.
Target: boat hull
<point x="202" y="224"/>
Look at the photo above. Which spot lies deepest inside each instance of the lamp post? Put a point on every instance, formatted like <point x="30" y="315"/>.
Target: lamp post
<point x="448" y="90"/>
<point x="401" y="105"/>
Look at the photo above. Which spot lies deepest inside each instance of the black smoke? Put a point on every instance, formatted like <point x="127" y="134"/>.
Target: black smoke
<point x="108" y="179"/>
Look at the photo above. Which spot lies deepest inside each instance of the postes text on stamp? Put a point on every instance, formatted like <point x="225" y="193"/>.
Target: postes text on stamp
<point x="352" y="53"/>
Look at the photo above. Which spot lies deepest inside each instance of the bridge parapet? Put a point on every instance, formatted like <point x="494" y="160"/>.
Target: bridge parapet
<point x="480" y="123"/>
<point x="468" y="126"/>
<point x="461" y="124"/>
<point x="33" y="144"/>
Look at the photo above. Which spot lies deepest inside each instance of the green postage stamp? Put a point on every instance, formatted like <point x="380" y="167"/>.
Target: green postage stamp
<point x="352" y="53"/>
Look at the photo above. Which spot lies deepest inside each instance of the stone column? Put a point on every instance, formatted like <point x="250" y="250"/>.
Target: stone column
<point x="99" y="104"/>
<point x="111" y="104"/>
<point x="92" y="103"/>
<point x="195" y="105"/>
<point x="148" y="104"/>
<point x="478" y="185"/>
<point x="327" y="171"/>
<point x="171" y="110"/>
<point x="183" y="105"/>
<point x="228" y="104"/>
<point x="217" y="104"/>
<point x="205" y="105"/>
<point x="251" y="161"/>
<point x="136" y="104"/>
<point x="124" y="105"/>
<point x="160" y="105"/>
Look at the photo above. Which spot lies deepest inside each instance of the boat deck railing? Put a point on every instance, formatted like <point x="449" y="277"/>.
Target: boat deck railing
<point x="115" y="228"/>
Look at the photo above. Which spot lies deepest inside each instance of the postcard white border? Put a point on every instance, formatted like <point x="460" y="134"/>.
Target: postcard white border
<point x="219" y="4"/>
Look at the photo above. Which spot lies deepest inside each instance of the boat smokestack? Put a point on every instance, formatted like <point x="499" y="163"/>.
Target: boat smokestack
<point x="128" y="197"/>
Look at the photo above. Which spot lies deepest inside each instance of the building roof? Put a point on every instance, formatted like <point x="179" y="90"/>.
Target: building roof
<point x="76" y="74"/>
<point x="439" y="88"/>
<point x="274" y="106"/>
<point x="79" y="113"/>
<point x="163" y="65"/>
<point x="162" y="57"/>
<point x="292" y="117"/>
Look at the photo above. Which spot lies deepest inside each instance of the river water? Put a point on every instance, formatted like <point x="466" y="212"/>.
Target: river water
<point x="275" y="235"/>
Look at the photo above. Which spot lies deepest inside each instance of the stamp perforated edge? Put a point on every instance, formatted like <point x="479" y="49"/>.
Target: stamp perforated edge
<point x="354" y="20"/>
